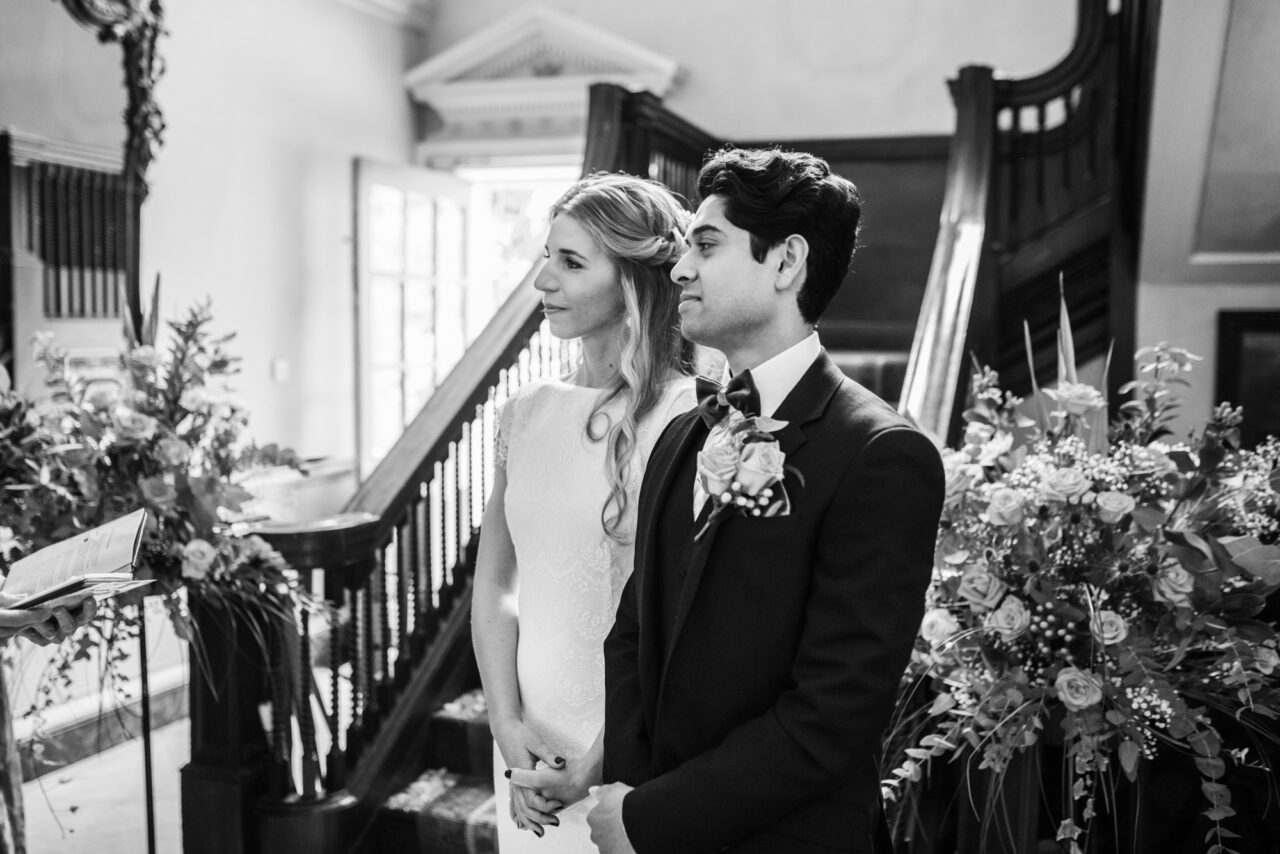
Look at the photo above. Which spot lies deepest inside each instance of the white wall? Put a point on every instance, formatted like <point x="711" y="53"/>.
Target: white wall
<point x="1181" y="289"/>
<point x="764" y="69"/>
<point x="266" y="104"/>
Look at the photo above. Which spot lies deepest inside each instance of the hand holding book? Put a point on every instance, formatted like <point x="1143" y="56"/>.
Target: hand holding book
<point x="42" y="625"/>
<point x="49" y="594"/>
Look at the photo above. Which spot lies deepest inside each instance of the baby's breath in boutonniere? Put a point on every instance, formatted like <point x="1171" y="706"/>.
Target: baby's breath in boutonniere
<point x="742" y="469"/>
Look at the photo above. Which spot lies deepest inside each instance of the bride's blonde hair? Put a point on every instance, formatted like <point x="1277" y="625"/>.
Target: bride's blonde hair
<point x="640" y="226"/>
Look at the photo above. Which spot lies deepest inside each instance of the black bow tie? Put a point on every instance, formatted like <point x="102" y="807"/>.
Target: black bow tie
<point x="715" y="401"/>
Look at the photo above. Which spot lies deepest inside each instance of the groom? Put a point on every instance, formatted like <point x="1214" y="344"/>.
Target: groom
<point x="755" y="658"/>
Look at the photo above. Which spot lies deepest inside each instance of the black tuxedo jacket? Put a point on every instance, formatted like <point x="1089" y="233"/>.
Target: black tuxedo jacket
<point x="753" y="723"/>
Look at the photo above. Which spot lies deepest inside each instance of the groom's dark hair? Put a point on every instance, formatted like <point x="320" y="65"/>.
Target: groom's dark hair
<point x="774" y="194"/>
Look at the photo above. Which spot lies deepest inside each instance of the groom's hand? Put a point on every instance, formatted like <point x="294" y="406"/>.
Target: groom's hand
<point x="605" y="819"/>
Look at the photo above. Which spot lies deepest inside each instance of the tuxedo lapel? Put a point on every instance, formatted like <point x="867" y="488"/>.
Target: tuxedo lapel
<point x="805" y="403"/>
<point x="681" y="440"/>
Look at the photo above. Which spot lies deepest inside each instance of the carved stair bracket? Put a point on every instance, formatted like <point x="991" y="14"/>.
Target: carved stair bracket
<point x="137" y="26"/>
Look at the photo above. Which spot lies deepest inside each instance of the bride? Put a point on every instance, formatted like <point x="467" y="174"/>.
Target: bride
<point x="556" y="543"/>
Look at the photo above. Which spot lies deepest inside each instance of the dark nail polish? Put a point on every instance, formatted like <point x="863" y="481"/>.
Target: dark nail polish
<point x="507" y="773"/>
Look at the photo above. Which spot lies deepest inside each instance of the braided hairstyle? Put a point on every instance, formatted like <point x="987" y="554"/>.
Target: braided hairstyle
<point x="640" y="226"/>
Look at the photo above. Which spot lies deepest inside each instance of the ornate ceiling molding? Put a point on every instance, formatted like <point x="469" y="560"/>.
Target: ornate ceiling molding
<point x="520" y="82"/>
<point x="413" y="14"/>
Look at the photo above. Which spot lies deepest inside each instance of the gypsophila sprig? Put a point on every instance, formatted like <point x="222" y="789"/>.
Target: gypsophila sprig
<point x="1105" y="594"/>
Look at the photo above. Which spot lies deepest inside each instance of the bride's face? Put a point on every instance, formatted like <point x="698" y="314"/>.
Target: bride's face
<point x="579" y="283"/>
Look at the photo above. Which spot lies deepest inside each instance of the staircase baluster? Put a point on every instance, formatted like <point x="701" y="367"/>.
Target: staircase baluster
<point x="450" y="526"/>
<point x="280" y="781"/>
<point x="404" y="658"/>
<point x="369" y="698"/>
<point x="383" y="690"/>
<point x="306" y="718"/>
<point x="1041" y="134"/>
<point x="336" y="766"/>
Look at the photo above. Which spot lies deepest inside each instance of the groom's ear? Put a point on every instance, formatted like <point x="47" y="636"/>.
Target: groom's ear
<point x="791" y="257"/>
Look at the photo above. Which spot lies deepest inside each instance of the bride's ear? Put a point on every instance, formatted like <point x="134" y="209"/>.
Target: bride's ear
<point x="791" y="260"/>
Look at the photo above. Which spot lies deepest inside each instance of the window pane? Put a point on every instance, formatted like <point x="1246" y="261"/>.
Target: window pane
<point x="451" y="239"/>
<point x="420" y="237"/>
<point x="419" y="345"/>
<point x="386" y="410"/>
<point x="385" y="325"/>
<point x="386" y="229"/>
<point x="450" y="331"/>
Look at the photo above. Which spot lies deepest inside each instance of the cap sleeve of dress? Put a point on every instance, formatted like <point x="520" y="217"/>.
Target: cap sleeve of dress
<point x="502" y="435"/>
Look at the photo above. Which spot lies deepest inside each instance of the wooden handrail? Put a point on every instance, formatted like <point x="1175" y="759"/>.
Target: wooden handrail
<point x="937" y="351"/>
<point x="1092" y="21"/>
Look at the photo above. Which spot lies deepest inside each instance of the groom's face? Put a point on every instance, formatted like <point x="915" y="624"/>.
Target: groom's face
<point x="726" y="295"/>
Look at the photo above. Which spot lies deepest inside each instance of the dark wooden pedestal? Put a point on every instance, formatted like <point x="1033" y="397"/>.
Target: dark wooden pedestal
<point x="227" y="773"/>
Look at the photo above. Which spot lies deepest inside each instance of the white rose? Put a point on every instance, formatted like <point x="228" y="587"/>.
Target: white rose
<point x="144" y="356"/>
<point x="982" y="589"/>
<point x="1065" y="484"/>
<point x="197" y="557"/>
<point x="1007" y="506"/>
<point x="1113" y="506"/>
<point x="995" y="449"/>
<point x="1173" y="585"/>
<point x="760" y="466"/>
<point x="131" y="425"/>
<point x="159" y="492"/>
<point x="1108" y="627"/>
<point x="1078" y="689"/>
<point x="195" y="398"/>
<point x="1077" y="398"/>
<point x="977" y="433"/>
<point x="938" y="626"/>
<point x="716" y="467"/>
<point x="1010" y="620"/>
<point x="173" y="451"/>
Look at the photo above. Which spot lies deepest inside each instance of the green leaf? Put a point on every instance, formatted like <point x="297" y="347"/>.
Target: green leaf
<point x="1259" y="560"/>
<point x="1205" y="743"/>
<point x="1211" y="766"/>
<point x="1218" y="794"/>
<point x="1219" y="813"/>
<point x="1148" y="517"/>
<point x="1129" y="754"/>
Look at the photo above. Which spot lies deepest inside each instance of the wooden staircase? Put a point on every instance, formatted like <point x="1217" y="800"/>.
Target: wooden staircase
<point x="385" y="756"/>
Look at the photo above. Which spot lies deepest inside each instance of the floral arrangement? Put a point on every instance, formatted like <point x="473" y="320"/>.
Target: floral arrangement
<point x="742" y="468"/>
<point x="1098" y="586"/>
<point x="167" y="435"/>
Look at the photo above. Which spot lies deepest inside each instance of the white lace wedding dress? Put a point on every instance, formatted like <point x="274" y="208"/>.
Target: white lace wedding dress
<point x="570" y="574"/>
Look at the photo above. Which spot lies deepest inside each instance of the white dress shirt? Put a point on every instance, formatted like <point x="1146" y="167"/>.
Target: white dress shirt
<point x="774" y="380"/>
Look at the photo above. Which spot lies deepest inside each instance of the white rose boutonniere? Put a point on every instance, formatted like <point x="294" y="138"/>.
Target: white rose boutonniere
<point x="760" y="466"/>
<point x="744" y="473"/>
<point x="717" y="465"/>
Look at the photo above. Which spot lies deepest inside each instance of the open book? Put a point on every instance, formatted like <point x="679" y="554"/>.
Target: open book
<point x="98" y="562"/>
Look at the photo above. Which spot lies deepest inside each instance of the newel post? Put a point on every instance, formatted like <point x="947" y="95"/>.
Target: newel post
<point x="227" y="772"/>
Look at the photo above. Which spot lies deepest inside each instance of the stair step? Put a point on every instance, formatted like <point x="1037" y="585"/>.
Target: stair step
<point x="460" y="740"/>
<point x="881" y="371"/>
<point x="441" y="811"/>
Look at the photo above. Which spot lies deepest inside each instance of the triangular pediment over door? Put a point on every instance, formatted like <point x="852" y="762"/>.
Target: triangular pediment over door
<point x="516" y="91"/>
